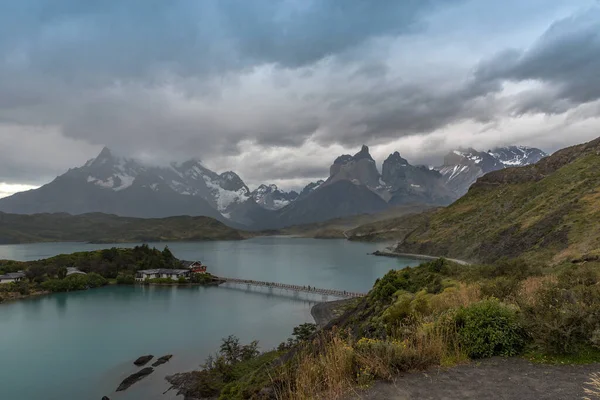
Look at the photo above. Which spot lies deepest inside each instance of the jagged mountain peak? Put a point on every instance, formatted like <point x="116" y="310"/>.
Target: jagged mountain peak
<point x="269" y="196"/>
<point x="396" y="158"/>
<point x="363" y="154"/>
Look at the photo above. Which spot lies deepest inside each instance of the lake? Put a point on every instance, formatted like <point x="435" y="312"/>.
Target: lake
<point x="80" y="345"/>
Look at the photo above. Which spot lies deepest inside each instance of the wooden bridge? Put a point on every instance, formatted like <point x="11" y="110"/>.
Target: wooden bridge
<point x="295" y="288"/>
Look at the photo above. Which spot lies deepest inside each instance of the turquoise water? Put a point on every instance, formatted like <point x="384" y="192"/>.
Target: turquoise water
<point x="80" y="345"/>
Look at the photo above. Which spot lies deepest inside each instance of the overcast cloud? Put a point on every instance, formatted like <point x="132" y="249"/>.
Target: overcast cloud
<point x="275" y="90"/>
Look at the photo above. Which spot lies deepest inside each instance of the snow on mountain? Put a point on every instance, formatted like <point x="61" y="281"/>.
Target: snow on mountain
<point x="272" y="198"/>
<point x="189" y="178"/>
<point x="462" y="167"/>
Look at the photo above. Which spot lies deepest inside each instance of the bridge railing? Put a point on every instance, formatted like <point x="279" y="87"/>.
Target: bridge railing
<point x="297" y="288"/>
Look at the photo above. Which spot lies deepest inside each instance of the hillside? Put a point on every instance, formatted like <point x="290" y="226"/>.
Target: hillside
<point x="341" y="227"/>
<point x="549" y="211"/>
<point x="97" y="227"/>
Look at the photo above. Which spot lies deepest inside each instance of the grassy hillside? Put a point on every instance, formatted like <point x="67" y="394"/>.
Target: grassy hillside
<point x="437" y="314"/>
<point x="340" y="227"/>
<point x="548" y="212"/>
<point x="97" y="227"/>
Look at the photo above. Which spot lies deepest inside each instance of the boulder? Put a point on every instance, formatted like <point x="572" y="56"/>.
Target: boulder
<point x="133" y="378"/>
<point x="105" y="398"/>
<point x="143" y="360"/>
<point x="162" y="360"/>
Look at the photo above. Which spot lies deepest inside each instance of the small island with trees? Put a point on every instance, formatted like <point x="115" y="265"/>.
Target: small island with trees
<point x="91" y="269"/>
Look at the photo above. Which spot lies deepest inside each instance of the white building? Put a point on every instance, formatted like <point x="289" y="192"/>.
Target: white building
<point x="12" y="277"/>
<point x="73" y="270"/>
<point x="161" y="273"/>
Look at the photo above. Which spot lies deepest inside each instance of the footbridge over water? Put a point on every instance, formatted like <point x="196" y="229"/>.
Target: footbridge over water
<point x="295" y="288"/>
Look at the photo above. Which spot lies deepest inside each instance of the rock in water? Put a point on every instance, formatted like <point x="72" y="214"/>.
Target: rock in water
<point x="105" y="398"/>
<point x="143" y="360"/>
<point x="133" y="378"/>
<point x="162" y="360"/>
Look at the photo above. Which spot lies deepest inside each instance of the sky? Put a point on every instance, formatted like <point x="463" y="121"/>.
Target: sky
<point x="275" y="90"/>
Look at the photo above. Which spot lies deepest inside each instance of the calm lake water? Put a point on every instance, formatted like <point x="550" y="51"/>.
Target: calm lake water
<point x="81" y="345"/>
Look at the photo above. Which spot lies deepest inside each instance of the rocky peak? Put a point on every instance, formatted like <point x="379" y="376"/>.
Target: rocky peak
<point x="272" y="198"/>
<point x="393" y="168"/>
<point x="229" y="180"/>
<point x="311" y="187"/>
<point x="363" y="154"/>
<point x="359" y="169"/>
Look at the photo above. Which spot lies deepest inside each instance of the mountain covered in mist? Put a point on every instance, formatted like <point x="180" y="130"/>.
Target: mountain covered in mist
<point x="126" y="187"/>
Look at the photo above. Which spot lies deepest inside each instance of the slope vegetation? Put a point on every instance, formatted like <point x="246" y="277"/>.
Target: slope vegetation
<point x="97" y="227"/>
<point x="549" y="211"/>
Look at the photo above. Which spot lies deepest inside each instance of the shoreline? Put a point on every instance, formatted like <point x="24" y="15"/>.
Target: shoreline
<point x="380" y="253"/>
<point x="325" y="312"/>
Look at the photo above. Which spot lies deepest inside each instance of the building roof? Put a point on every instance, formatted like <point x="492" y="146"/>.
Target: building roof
<point x="163" y="271"/>
<point x="188" y="264"/>
<point x="13" y="275"/>
<point x="73" y="270"/>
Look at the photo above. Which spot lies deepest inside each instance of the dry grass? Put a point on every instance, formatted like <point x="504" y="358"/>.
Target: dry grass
<point x="530" y="287"/>
<point x="457" y="296"/>
<point x="592" y="390"/>
<point x="342" y="365"/>
<point x="319" y="375"/>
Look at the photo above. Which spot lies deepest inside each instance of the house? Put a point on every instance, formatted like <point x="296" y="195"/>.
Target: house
<point x="12" y="277"/>
<point x="195" y="267"/>
<point x="161" y="273"/>
<point x="73" y="270"/>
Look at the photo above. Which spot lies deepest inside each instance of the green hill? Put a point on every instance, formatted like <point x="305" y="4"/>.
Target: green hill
<point x="97" y="227"/>
<point x="549" y="212"/>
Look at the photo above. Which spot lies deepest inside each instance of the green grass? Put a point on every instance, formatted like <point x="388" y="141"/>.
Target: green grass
<point x="589" y="355"/>
<point x="97" y="227"/>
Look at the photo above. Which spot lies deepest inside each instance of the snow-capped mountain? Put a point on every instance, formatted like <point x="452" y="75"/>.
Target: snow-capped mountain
<point x="272" y="198"/>
<point x="123" y="186"/>
<point x="189" y="178"/>
<point x="462" y="167"/>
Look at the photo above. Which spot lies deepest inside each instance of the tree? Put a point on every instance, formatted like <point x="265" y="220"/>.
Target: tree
<point x="35" y="273"/>
<point x="231" y="349"/>
<point x="304" y="331"/>
<point x="167" y="255"/>
<point x="62" y="273"/>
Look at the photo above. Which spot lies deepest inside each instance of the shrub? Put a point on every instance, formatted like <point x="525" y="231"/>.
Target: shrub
<point x="181" y="280"/>
<point x="501" y="287"/>
<point x="489" y="328"/>
<point x="125" y="279"/>
<point x="561" y="321"/>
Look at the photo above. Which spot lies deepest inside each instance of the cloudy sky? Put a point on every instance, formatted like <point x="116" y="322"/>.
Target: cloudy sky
<point x="276" y="89"/>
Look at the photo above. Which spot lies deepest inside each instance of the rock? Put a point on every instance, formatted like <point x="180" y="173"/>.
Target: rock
<point x="143" y="360"/>
<point x="105" y="398"/>
<point x="162" y="360"/>
<point x="133" y="378"/>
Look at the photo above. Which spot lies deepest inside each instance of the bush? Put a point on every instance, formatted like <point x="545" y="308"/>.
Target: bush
<point x="562" y="321"/>
<point x="75" y="282"/>
<point x="501" y="288"/>
<point x="125" y="279"/>
<point x="489" y="328"/>
<point x="182" y="280"/>
<point x="201" y="278"/>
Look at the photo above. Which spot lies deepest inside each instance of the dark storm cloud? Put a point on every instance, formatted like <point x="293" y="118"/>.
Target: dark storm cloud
<point x="566" y="58"/>
<point x="205" y="78"/>
<point x="99" y="41"/>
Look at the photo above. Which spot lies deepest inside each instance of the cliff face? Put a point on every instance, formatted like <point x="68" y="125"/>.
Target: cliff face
<point x="359" y="169"/>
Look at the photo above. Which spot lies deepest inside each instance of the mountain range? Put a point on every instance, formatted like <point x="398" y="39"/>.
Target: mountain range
<point x="546" y="212"/>
<point x="125" y="187"/>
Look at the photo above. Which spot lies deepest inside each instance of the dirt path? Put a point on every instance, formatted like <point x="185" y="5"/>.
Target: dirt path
<point x="496" y="378"/>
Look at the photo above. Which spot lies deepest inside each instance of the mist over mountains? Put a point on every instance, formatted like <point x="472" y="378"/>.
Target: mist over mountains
<point x="126" y="187"/>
